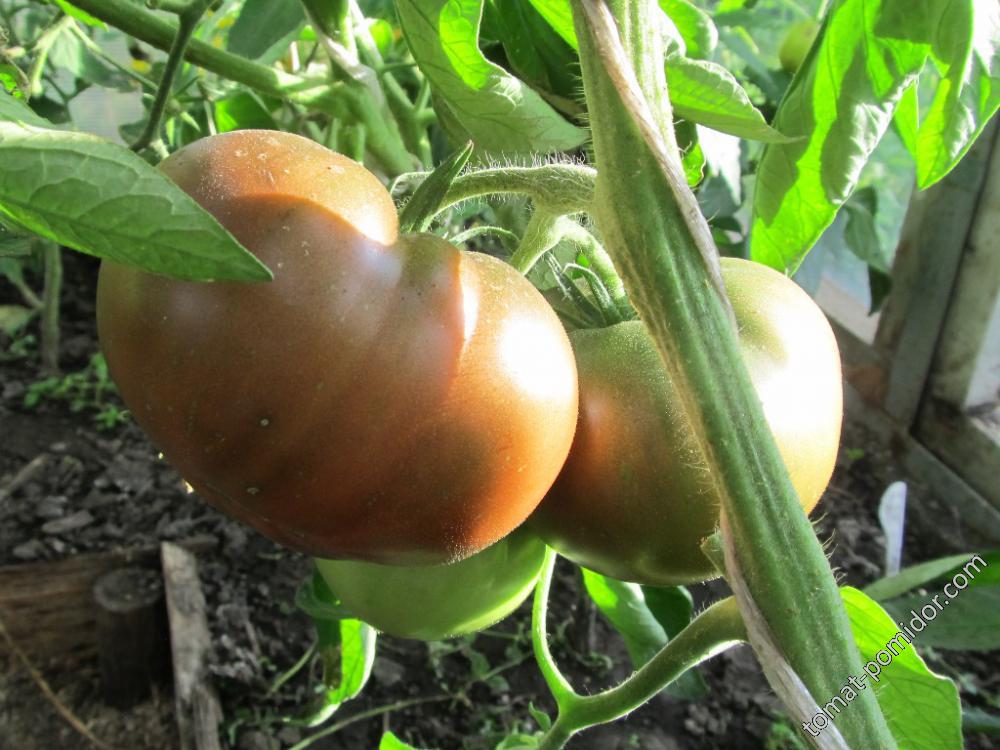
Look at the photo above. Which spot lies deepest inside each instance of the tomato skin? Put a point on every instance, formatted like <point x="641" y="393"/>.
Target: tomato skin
<point x="385" y="398"/>
<point x="439" y="601"/>
<point x="632" y="501"/>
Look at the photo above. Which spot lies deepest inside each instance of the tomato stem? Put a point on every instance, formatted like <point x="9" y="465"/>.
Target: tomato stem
<point x="599" y="260"/>
<point x="716" y="629"/>
<point x="337" y="99"/>
<point x="188" y="17"/>
<point x="559" y="686"/>
<point x="661" y="244"/>
<point x="370" y="713"/>
<point x="558" y="188"/>
<point x="541" y="235"/>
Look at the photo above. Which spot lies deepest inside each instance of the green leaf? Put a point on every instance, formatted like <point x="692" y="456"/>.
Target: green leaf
<point x="921" y="708"/>
<point x="102" y="199"/>
<point x="728" y="6"/>
<point x="772" y="82"/>
<point x="966" y="48"/>
<point x="935" y="570"/>
<point x="860" y="233"/>
<point x="79" y="15"/>
<point x="625" y="607"/>
<point x="559" y="14"/>
<point x="907" y="118"/>
<point x="961" y="618"/>
<point x="692" y="156"/>
<point x="242" y="111"/>
<point x="842" y="99"/>
<point x="265" y="28"/>
<point x="347" y="648"/>
<point x="11" y="80"/>
<point x="345" y="645"/>
<point x="543" y="720"/>
<point x="519" y="741"/>
<point x="969" y="622"/>
<point x="70" y="54"/>
<point x="536" y="53"/>
<point x="315" y="598"/>
<point x="15" y="110"/>
<point x="328" y="15"/>
<point x="499" y="112"/>
<point x="392" y="742"/>
<point x="695" y="26"/>
<point x="429" y="195"/>
<point x="708" y="94"/>
<point x="673" y="607"/>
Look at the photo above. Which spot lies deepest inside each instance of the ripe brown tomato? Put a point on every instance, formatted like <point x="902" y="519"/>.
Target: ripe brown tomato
<point x="386" y="398"/>
<point x="633" y="501"/>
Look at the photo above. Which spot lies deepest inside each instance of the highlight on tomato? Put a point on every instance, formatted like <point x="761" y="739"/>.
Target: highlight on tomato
<point x="386" y="398"/>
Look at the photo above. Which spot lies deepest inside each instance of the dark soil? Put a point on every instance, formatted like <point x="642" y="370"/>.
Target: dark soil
<point x="96" y="490"/>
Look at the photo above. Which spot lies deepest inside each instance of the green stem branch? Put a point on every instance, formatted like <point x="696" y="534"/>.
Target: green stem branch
<point x="558" y="188"/>
<point x="541" y="235"/>
<point x="336" y="99"/>
<point x="660" y="243"/>
<point x="559" y="686"/>
<point x="599" y="260"/>
<point x="42" y="47"/>
<point x="370" y="713"/>
<point x="717" y="628"/>
<point x="188" y="19"/>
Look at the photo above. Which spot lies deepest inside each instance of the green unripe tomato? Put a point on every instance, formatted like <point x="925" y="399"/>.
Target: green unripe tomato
<point x="795" y="47"/>
<point x="634" y="500"/>
<point x="439" y="601"/>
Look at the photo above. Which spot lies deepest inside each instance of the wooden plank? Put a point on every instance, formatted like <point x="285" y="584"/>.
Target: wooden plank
<point x="49" y="609"/>
<point x="133" y="642"/>
<point x="964" y="442"/>
<point x="197" y="704"/>
<point x="864" y="368"/>
<point x="933" y="241"/>
<point x="968" y="358"/>
<point x="944" y="502"/>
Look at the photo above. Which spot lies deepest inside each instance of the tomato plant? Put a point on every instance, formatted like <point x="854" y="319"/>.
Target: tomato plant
<point x="634" y="501"/>
<point x="439" y="601"/>
<point x="385" y="398"/>
<point x="389" y="402"/>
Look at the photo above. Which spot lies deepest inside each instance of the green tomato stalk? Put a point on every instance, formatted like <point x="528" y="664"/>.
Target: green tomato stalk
<point x="662" y="246"/>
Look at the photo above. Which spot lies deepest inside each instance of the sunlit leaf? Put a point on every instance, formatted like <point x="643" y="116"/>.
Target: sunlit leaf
<point x="841" y="101"/>
<point x="496" y="110"/>
<point x="921" y="708"/>
<point x="102" y="199"/>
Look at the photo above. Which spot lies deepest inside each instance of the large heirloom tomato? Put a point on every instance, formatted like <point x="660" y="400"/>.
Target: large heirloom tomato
<point x="633" y="500"/>
<point x="386" y="398"/>
<point x="439" y="601"/>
